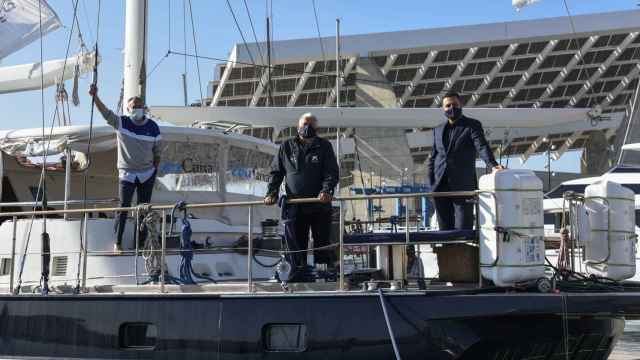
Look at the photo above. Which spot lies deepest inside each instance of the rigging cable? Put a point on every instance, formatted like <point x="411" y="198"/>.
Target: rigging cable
<point x="195" y="48"/>
<point x="244" y="41"/>
<point x="325" y="79"/>
<point x="46" y="141"/>
<point x="83" y="240"/>
<point x="255" y="37"/>
<point x="46" y="252"/>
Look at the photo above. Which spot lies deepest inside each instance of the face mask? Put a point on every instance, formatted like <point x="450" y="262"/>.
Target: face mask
<point x="453" y="113"/>
<point x="137" y="114"/>
<point x="307" y="131"/>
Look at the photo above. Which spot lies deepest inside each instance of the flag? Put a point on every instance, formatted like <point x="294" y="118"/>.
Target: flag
<point x="20" y="23"/>
<point x="519" y="4"/>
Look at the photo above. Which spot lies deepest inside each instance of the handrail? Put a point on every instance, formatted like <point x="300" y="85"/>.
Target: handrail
<point x="81" y="277"/>
<point x="245" y="203"/>
<point x="60" y="202"/>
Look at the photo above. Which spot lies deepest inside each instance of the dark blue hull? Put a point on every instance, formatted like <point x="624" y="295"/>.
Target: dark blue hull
<point x="314" y="326"/>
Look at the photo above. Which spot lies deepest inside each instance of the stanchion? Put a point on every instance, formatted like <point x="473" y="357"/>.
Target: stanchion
<point x="250" y="251"/>
<point x="163" y="247"/>
<point x="13" y="255"/>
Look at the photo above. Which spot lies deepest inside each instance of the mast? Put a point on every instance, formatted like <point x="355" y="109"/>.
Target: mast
<point x="135" y="49"/>
<point x="268" y="100"/>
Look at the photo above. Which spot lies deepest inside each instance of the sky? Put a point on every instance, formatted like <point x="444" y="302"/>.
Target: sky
<point x="215" y="35"/>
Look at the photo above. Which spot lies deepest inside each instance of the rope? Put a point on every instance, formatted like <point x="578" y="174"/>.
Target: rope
<point x="389" y="328"/>
<point x="152" y="258"/>
<point x="195" y="48"/>
<point x="187" y="273"/>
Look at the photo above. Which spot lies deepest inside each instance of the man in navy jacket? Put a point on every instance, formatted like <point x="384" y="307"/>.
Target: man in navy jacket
<point x="452" y="164"/>
<point x="308" y="167"/>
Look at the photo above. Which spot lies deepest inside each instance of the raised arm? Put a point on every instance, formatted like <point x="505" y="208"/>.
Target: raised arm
<point x="111" y="118"/>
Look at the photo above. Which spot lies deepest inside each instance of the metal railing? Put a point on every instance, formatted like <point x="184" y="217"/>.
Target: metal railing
<point x="341" y="200"/>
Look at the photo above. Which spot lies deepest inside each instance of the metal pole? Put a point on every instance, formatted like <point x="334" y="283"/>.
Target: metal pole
<point x="250" y="252"/>
<point x="549" y="167"/>
<point x="67" y="181"/>
<point x="341" y="238"/>
<point x="338" y="150"/>
<point x="337" y="62"/>
<point x="184" y="89"/>
<point x="164" y="244"/>
<point x="477" y="206"/>
<point x="136" y="238"/>
<point x="268" y="100"/>
<point x="135" y="49"/>
<point x="84" y="251"/>
<point x="13" y="255"/>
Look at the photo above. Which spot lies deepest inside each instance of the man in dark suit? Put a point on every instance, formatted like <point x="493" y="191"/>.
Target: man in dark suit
<point x="452" y="164"/>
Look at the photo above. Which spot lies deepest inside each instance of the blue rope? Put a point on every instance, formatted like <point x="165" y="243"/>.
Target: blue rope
<point x="187" y="274"/>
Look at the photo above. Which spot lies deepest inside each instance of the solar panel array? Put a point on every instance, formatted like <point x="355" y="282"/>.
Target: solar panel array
<point x="569" y="71"/>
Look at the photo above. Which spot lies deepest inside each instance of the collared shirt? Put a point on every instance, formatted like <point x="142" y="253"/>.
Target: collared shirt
<point x="446" y="136"/>
<point x="132" y="175"/>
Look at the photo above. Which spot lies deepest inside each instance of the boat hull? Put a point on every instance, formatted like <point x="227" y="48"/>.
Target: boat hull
<point x="334" y="325"/>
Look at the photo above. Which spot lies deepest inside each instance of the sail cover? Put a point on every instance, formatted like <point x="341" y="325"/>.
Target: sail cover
<point x="20" y="23"/>
<point x="27" y="77"/>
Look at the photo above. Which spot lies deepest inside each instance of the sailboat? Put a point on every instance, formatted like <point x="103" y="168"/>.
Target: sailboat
<point x="209" y="292"/>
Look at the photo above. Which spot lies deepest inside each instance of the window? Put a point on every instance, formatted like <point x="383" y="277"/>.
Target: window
<point x="5" y="266"/>
<point x="189" y="166"/>
<point x="140" y="336"/>
<point x="285" y="337"/>
<point x="248" y="171"/>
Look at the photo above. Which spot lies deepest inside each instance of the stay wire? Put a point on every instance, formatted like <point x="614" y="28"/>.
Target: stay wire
<point x="273" y="67"/>
<point x="244" y="41"/>
<point x="85" y="175"/>
<point x="253" y="30"/>
<point x="195" y="48"/>
<point x="324" y="57"/>
<point x="41" y="190"/>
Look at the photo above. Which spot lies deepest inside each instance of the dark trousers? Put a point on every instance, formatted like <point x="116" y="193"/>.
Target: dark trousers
<point x="453" y="213"/>
<point x="144" y="191"/>
<point x="303" y="218"/>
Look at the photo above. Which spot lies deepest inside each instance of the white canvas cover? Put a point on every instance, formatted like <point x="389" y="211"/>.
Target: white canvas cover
<point x="20" y="23"/>
<point x="27" y="77"/>
<point x="283" y="117"/>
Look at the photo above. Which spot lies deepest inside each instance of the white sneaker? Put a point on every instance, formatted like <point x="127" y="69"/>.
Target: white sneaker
<point x="117" y="248"/>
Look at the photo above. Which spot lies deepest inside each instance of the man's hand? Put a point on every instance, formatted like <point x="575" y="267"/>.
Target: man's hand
<point x="498" y="168"/>
<point x="93" y="90"/>
<point x="325" y="197"/>
<point x="269" y="200"/>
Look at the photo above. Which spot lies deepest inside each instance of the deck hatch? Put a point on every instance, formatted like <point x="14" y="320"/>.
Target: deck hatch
<point x="138" y="336"/>
<point x="59" y="266"/>
<point x="285" y="337"/>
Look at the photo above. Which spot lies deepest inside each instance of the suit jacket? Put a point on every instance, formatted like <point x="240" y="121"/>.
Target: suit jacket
<point x="458" y="161"/>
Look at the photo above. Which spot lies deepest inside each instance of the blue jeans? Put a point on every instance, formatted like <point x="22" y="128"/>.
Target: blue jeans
<point x="126" y="190"/>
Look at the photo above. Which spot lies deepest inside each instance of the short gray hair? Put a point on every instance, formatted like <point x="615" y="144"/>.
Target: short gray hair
<point x="308" y="116"/>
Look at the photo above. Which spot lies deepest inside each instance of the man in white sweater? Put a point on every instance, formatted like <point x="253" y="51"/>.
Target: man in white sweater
<point x="138" y="155"/>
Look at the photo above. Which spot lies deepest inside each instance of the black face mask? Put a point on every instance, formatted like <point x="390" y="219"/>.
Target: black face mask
<point x="453" y="113"/>
<point x="307" y="131"/>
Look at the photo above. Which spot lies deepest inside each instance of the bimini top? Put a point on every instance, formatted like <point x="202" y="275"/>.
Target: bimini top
<point x="29" y="142"/>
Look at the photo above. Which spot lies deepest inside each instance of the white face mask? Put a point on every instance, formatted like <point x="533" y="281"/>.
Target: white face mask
<point x="137" y="114"/>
